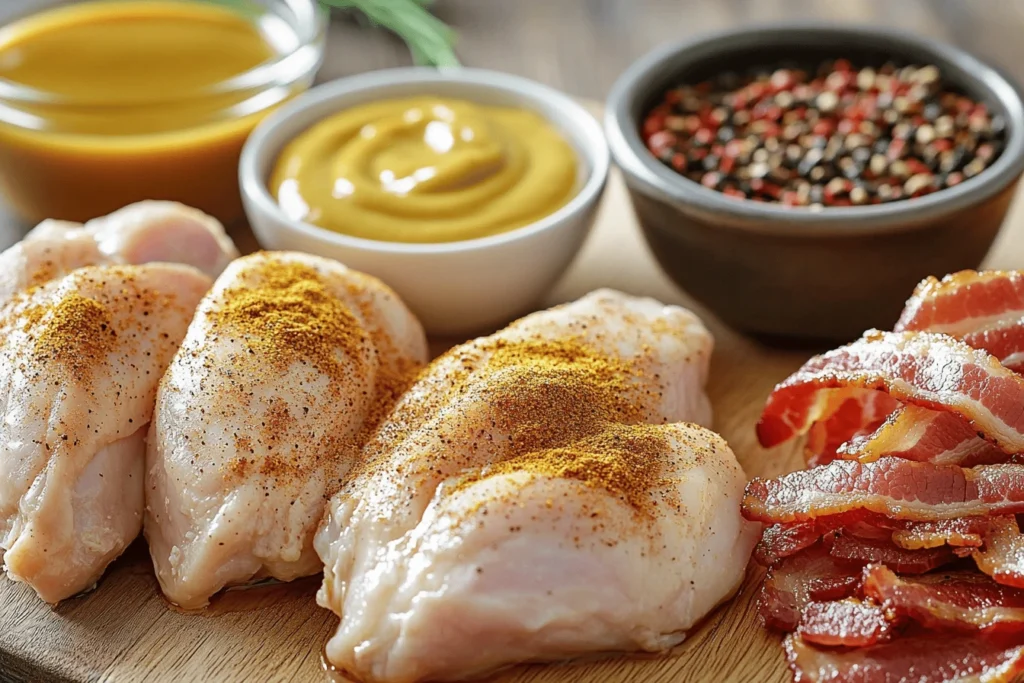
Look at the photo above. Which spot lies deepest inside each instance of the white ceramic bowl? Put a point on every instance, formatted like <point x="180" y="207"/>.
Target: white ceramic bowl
<point x="456" y="288"/>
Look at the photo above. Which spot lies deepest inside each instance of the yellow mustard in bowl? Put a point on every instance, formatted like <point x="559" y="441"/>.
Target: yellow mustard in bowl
<point x="425" y="169"/>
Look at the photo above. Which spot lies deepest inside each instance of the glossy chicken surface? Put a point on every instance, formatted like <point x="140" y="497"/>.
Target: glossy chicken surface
<point x="80" y="361"/>
<point x="289" y="364"/>
<point x="536" y="496"/>
<point x="150" y="231"/>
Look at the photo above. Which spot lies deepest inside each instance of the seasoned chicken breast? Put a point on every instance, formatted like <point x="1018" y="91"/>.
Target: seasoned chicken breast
<point x="534" y="496"/>
<point x="145" y="232"/>
<point x="80" y="360"/>
<point x="289" y="364"/>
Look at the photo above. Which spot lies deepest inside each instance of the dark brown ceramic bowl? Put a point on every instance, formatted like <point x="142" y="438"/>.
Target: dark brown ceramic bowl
<point x="794" y="273"/>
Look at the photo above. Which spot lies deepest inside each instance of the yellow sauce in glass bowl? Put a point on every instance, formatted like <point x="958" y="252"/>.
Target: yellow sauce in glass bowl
<point x="107" y="102"/>
<point x="425" y="169"/>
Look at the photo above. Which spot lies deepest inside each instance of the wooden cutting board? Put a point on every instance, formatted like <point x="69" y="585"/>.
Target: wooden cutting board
<point x="124" y="631"/>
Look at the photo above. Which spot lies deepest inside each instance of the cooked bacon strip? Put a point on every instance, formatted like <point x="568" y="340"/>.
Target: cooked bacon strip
<point x="962" y="601"/>
<point x="916" y="433"/>
<point x="849" y="414"/>
<point x="925" y="658"/>
<point x="844" y="623"/>
<point x="782" y="540"/>
<point x="1003" y="555"/>
<point x="964" y="302"/>
<point x="809" y="576"/>
<point x="984" y="309"/>
<point x="1004" y="340"/>
<point x="847" y="547"/>
<point x="930" y="370"/>
<point x="965" y="532"/>
<point x="893" y="487"/>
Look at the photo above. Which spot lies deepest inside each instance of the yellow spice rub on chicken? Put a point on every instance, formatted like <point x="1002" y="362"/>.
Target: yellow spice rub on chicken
<point x="536" y="495"/>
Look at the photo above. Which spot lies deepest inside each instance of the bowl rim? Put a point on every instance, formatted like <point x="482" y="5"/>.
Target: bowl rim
<point x="647" y="174"/>
<point x="594" y="152"/>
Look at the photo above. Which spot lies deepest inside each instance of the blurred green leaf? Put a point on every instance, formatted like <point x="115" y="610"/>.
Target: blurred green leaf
<point x="429" y="39"/>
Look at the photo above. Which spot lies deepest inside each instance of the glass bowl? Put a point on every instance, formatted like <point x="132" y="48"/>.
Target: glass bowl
<point x="58" y="158"/>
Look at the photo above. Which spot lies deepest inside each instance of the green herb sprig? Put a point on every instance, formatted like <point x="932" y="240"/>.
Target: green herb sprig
<point x="429" y="39"/>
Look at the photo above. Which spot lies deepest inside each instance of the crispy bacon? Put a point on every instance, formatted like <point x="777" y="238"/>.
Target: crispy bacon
<point x="916" y="433"/>
<point x="984" y="309"/>
<point x="964" y="302"/>
<point x="782" y="540"/>
<point x="848" y="547"/>
<point x="961" y="601"/>
<point x="964" y="532"/>
<point x="844" y="623"/>
<point x="1003" y="555"/>
<point x="930" y="370"/>
<point x="921" y="436"/>
<point x="893" y="487"/>
<point x="923" y="658"/>
<point x="808" y="576"/>
<point x="1004" y="340"/>
<point x="848" y="414"/>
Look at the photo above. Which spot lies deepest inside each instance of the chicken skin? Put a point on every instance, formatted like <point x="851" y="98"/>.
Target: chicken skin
<point x="80" y="361"/>
<point x="290" y="363"/>
<point x="146" y="232"/>
<point x="536" y="496"/>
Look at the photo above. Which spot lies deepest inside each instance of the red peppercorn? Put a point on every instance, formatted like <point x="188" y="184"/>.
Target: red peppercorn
<point x="756" y="91"/>
<point x="732" y="149"/>
<point x="917" y="166"/>
<point x="772" y="190"/>
<point x="654" y="124"/>
<point x="660" y="141"/>
<point x="710" y="179"/>
<point x="847" y="126"/>
<point x="896" y="149"/>
<point x="790" y="198"/>
<point x="824" y="127"/>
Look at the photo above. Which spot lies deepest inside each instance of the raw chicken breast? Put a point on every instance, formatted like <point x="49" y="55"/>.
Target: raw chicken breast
<point x="140" y="233"/>
<point x="530" y="499"/>
<point x="290" y="362"/>
<point x="80" y="360"/>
